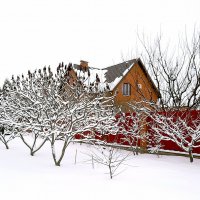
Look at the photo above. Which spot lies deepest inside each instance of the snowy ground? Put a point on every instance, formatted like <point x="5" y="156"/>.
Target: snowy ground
<point x="23" y="177"/>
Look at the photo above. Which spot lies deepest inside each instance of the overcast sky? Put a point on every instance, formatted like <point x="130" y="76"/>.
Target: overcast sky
<point x="34" y="33"/>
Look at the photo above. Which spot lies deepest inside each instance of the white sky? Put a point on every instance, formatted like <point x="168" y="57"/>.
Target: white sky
<point x="34" y="33"/>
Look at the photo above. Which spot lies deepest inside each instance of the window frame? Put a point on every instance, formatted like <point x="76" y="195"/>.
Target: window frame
<point x="126" y="89"/>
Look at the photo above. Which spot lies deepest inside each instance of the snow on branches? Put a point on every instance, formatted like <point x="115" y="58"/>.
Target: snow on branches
<point x="181" y="128"/>
<point x="53" y="108"/>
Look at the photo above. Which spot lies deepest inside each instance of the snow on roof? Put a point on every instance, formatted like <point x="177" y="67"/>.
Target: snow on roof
<point x="113" y="84"/>
<point x="106" y="78"/>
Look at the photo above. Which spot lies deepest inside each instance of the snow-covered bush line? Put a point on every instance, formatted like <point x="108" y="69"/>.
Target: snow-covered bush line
<point x="52" y="107"/>
<point x="58" y="107"/>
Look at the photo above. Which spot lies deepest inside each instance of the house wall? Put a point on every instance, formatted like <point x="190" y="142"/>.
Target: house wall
<point x="135" y="76"/>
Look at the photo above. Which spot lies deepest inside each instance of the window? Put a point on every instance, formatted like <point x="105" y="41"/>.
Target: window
<point x="126" y="90"/>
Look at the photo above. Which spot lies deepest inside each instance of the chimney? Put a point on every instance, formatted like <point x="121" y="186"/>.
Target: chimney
<point x="84" y="65"/>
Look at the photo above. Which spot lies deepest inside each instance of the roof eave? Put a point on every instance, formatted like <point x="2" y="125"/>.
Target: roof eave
<point x="148" y="77"/>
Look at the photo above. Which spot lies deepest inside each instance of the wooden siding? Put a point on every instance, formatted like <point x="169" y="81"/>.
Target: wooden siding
<point x="135" y="76"/>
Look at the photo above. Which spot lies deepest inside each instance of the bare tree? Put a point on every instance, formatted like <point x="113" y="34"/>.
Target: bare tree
<point x="129" y="124"/>
<point x="109" y="156"/>
<point x="175" y="70"/>
<point x="54" y="108"/>
<point x="7" y="131"/>
<point x="22" y="107"/>
<point x="181" y="128"/>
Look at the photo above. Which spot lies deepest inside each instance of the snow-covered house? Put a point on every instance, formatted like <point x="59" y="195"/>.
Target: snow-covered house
<point x="129" y="80"/>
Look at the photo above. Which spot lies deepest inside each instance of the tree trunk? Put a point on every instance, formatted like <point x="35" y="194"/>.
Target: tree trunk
<point x="136" y="149"/>
<point x="7" y="147"/>
<point x="53" y="153"/>
<point x="58" y="162"/>
<point x="63" y="152"/>
<point x="41" y="145"/>
<point x="5" y="142"/>
<point x="110" y="171"/>
<point x="191" y="155"/>
<point x="32" y="148"/>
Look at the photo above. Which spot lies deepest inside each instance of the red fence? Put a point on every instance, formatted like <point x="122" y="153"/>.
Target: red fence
<point x="127" y="139"/>
<point x="188" y="116"/>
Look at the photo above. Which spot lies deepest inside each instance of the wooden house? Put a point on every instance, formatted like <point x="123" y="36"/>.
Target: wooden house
<point x="129" y="81"/>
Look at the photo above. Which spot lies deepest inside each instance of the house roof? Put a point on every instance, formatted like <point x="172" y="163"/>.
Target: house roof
<point x="118" y="70"/>
<point x="116" y="73"/>
<point x="111" y="76"/>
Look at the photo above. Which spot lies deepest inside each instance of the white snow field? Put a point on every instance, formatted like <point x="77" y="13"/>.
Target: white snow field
<point x="23" y="177"/>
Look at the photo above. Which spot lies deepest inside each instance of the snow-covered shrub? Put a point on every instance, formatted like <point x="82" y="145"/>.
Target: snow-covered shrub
<point x="54" y="108"/>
